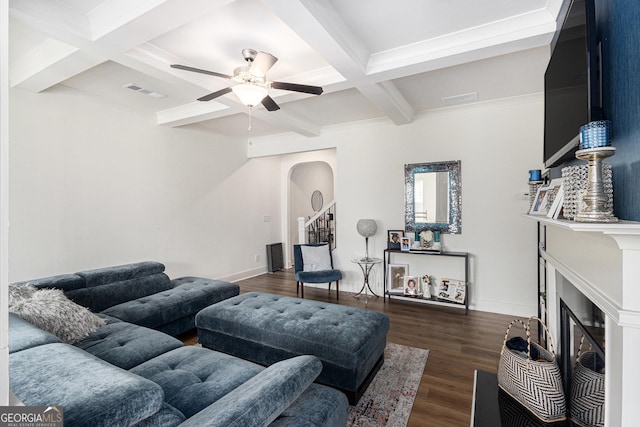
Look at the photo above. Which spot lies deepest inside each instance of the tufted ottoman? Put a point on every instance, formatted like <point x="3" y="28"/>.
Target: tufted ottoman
<point x="266" y="328"/>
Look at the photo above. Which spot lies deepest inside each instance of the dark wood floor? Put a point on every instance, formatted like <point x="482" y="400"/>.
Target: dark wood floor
<point x="457" y="345"/>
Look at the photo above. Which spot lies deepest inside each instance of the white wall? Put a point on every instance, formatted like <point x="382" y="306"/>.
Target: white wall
<point x="497" y="143"/>
<point x="4" y="208"/>
<point x="94" y="184"/>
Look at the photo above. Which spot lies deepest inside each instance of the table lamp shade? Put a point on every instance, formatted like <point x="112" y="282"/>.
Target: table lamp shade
<point x="367" y="227"/>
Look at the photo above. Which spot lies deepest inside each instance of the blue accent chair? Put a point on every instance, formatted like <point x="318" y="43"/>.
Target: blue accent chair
<point x="303" y="275"/>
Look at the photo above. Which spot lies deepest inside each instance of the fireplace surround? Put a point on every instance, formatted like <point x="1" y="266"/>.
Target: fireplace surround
<point x="602" y="263"/>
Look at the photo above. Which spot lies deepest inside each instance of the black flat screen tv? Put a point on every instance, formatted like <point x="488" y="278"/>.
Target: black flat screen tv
<point x="571" y="83"/>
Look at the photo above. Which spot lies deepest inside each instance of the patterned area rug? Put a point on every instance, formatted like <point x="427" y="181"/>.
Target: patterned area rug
<point x="389" y="398"/>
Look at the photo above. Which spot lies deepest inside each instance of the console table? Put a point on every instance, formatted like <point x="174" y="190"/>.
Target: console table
<point x="388" y="253"/>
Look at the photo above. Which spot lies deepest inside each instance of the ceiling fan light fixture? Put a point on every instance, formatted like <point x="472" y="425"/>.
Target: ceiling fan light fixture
<point x="249" y="94"/>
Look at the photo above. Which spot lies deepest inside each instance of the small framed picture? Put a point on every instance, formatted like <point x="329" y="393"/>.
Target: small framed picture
<point x="405" y="243"/>
<point x="555" y="197"/>
<point x="539" y="206"/>
<point x="395" y="278"/>
<point x="452" y="290"/>
<point x="412" y="286"/>
<point x="394" y="239"/>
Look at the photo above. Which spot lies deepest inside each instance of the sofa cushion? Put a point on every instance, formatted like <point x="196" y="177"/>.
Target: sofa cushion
<point x="23" y="335"/>
<point x="51" y="310"/>
<point x="126" y="345"/>
<point x="193" y="377"/>
<point x="102" y="288"/>
<point x="318" y="406"/>
<point x="189" y="295"/>
<point x="66" y="282"/>
<point x="120" y="273"/>
<point x="99" y="298"/>
<point x="167" y="416"/>
<point x="263" y="398"/>
<point x="92" y="392"/>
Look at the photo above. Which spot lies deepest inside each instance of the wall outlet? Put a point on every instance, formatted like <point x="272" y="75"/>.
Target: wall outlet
<point x="256" y="258"/>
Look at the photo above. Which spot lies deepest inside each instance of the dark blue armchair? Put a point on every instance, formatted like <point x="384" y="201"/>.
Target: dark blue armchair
<point x="313" y="263"/>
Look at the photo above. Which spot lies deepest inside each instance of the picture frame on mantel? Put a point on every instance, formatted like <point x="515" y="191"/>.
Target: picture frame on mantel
<point x="555" y="198"/>
<point x="539" y="206"/>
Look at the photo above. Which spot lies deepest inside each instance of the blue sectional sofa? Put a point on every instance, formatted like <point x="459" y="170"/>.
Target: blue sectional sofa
<point x="126" y="374"/>
<point x="141" y="293"/>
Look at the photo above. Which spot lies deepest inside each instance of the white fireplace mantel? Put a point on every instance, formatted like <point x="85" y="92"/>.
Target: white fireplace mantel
<point x="625" y="233"/>
<point x="603" y="262"/>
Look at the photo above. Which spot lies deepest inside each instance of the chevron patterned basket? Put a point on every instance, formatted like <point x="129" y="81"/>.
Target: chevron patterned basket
<point x="536" y="384"/>
<point x="586" y="398"/>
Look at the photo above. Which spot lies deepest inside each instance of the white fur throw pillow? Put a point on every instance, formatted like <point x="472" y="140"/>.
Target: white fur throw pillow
<point x="19" y="293"/>
<point x="316" y="258"/>
<point x="51" y="310"/>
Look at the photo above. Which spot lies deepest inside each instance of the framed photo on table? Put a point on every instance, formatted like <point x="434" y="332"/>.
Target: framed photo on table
<point x="405" y="243"/>
<point x="395" y="278"/>
<point x="412" y="286"/>
<point x="539" y="206"/>
<point x="452" y="290"/>
<point x="394" y="239"/>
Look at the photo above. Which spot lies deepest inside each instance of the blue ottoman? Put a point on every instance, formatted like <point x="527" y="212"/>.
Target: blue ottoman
<point x="266" y="328"/>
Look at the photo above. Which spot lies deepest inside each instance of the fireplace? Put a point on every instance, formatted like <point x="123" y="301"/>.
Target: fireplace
<point x="593" y="291"/>
<point x="582" y="363"/>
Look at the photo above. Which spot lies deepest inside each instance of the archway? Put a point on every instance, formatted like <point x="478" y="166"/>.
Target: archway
<point x="304" y="179"/>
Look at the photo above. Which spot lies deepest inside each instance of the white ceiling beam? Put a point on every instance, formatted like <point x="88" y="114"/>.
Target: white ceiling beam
<point x="193" y="113"/>
<point x="386" y="96"/>
<point x="27" y="71"/>
<point x="289" y="120"/>
<point x="510" y="35"/>
<point x="322" y="28"/>
<point x="116" y="32"/>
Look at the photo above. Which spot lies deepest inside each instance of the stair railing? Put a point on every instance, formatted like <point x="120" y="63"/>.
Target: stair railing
<point x="320" y="228"/>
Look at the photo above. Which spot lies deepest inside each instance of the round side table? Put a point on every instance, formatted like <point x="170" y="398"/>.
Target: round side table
<point x="366" y="265"/>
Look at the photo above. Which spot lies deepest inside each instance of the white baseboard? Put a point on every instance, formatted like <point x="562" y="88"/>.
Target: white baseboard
<point x="247" y="274"/>
<point x="503" y="307"/>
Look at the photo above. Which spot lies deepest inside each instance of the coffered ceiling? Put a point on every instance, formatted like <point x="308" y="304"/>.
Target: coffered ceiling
<point x="374" y="58"/>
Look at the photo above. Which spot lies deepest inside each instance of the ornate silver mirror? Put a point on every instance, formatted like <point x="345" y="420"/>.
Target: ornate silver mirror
<point x="432" y="197"/>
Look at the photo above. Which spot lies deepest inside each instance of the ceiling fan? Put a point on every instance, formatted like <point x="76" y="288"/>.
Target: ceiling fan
<point x="252" y="84"/>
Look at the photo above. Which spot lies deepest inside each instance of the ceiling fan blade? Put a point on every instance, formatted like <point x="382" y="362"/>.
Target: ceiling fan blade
<point x="263" y="63"/>
<point x="270" y="104"/>
<point x="314" y="90"/>
<point x="215" y="94"/>
<point x="198" y="70"/>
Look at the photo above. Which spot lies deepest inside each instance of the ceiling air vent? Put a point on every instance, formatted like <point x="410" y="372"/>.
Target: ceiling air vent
<point x="460" y="99"/>
<point x="144" y="91"/>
